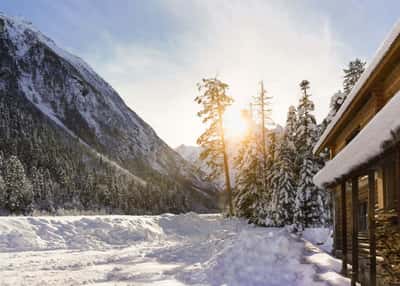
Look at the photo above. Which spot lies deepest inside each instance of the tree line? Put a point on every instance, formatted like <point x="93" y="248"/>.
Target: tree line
<point x="274" y="168"/>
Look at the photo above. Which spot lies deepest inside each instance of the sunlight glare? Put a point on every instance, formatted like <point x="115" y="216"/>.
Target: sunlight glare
<point x="235" y="125"/>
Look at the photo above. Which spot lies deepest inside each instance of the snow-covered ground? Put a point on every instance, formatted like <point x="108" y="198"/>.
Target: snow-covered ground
<point x="187" y="249"/>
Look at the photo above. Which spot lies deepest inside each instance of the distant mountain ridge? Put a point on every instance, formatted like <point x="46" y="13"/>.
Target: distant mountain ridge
<point x="85" y="109"/>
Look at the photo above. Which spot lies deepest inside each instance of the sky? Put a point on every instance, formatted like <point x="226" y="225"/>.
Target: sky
<point x="155" y="52"/>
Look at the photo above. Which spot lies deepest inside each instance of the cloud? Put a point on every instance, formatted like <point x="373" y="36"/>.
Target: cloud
<point x="241" y="42"/>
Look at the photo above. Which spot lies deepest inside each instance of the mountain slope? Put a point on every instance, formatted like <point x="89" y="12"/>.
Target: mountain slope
<point x="50" y="83"/>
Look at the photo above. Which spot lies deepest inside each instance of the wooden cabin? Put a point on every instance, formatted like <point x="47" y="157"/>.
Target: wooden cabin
<point x="363" y="173"/>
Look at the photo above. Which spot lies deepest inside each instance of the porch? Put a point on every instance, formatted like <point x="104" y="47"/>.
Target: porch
<point x="367" y="221"/>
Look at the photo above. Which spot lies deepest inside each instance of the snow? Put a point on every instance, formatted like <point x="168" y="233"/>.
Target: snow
<point x="381" y="52"/>
<point x="385" y="122"/>
<point x="186" y="249"/>
<point x="322" y="237"/>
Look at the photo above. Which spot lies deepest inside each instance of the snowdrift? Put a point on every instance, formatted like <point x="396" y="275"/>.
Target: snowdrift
<point x="95" y="232"/>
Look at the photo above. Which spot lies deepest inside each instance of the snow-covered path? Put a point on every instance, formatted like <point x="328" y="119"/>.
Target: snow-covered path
<point x="185" y="249"/>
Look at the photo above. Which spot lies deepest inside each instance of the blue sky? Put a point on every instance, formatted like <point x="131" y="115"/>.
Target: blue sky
<point x="153" y="52"/>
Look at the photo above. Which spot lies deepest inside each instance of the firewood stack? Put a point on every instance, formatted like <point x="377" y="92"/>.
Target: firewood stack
<point x="388" y="247"/>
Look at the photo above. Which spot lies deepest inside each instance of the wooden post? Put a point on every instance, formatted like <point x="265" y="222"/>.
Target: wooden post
<point x="344" y="228"/>
<point x="354" y="241"/>
<point x="371" y="226"/>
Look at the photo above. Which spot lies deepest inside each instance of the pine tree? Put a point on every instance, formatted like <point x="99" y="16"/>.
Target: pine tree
<point x="351" y="74"/>
<point x="269" y="207"/>
<point x="18" y="190"/>
<point x="336" y="102"/>
<point x="306" y="134"/>
<point x="268" y="202"/>
<point x="308" y="204"/>
<point x="291" y="127"/>
<point x="248" y="164"/>
<point x="2" y="193"/>
<point x="214" y="101"/>
<point x="286" y="175"/>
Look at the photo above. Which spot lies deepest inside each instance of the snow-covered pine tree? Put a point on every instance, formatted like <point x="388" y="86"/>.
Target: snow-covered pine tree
<point x="249" y="166"/>
<point x="37" y="186"/>
<point x="285" y="193"/>
<point x="1" y="162"/>
<point x="309" y="205"/>
<point x="214" y="101"/>
<point x="266" y="205"/>
<point x="306" y="133"/>
<point x="269" y="201"/>
<point x="18" y="190"/>
<point x="2" y="193"/>
<point x="291" y="127"/>
<point x="336" y="102"/>
<point x="351" y="74"/>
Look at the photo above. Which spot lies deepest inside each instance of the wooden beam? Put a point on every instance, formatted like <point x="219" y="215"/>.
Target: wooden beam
<point x="354" y="241"/>
<point x="371" y="227"/>
<point x="344" y="228"/>
<point x="378" y="95"/>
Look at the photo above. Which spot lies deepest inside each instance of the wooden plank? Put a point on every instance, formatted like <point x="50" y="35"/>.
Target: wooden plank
<point x="354" y="240"/>
<point x="371" y="227"/>
<point x="344" y="228"/>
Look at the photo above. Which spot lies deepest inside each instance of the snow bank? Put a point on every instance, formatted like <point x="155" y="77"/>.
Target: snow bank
<point x="322" y="237"/>
<point x="328" y="266"/>
<point x="385" y="123"/>
<point x="186" y="249"/>
<point x="97" y="232"/>
<point x="257" y="256"/>
<point x="381" y="52"/>
<point x="190" y="224"/>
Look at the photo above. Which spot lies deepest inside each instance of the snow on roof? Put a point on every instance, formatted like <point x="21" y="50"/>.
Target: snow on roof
<point x="380" y="53"/>
<point x="365" y="146"/>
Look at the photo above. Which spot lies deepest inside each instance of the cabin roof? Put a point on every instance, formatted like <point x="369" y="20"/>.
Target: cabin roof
<point x="379" y="55"/>
<point x="386" y="123"/>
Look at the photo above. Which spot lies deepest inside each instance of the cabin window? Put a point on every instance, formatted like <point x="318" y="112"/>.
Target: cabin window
<point x="389" y="190"/>
<point x="363" y="216"/>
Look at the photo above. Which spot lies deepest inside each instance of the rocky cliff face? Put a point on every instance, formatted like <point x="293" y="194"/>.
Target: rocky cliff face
<point x="86" y="109"/>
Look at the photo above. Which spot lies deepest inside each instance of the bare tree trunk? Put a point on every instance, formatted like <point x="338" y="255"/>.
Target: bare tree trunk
<point x="262" y="102"/>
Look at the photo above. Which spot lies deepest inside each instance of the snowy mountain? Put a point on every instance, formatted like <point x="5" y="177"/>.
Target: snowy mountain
<point x="58" y="91"/>
<point x="189" y="153"/>
<point x="192" y="155"/>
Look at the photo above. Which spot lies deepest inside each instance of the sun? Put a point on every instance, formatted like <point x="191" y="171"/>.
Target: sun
<point x="235" y="125"/>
